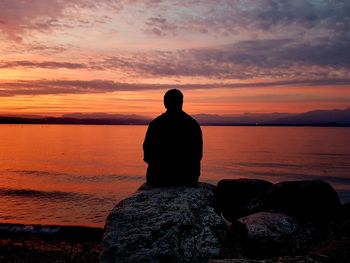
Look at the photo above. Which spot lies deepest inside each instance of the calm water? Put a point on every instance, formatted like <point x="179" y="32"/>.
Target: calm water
<point x="74" y="175"/>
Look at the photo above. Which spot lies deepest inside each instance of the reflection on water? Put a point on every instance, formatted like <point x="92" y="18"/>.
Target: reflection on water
<point x="62" y="174"/>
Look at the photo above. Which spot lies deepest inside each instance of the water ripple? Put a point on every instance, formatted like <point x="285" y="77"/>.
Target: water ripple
<point x="29" y="193"/>
<point x="79" y="177"/>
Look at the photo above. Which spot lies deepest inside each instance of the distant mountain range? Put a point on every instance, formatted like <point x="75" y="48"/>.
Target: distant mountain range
<point x="242" y="119"/>
<point x="314" y="118"/>
<point x="340" y="117"/>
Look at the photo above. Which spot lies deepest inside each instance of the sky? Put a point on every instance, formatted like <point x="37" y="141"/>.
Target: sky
<point x="227" y="56"/>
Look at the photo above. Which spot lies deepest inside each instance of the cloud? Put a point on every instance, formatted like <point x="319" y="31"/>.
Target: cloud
<point x="272" y="58"/>
<point x="232" y="17"/>
<point x="269" y="39"/>
<point x="44" y="64"/>
<point x="163" y="17"/>
<point x="47" y="87"/>
<point x="250" y="59"/>
<point x="159" y="26"/>
<point x="18" y="17"/>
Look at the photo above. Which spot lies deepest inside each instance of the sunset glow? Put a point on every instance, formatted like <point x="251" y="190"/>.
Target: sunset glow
<point x="228" y="57"/>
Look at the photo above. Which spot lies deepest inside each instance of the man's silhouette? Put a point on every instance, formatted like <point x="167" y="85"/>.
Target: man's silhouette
<point x="173" y="145"/>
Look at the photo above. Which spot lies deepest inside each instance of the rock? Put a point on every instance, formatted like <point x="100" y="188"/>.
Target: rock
<point x="344" y="211"/>
<point x="340" y="227"/>
<point x="312" y="201"/>
<point x="268" y="227"/>
<point x="169" y="224"/>
<point x="309" y="201"/>
<point x="237" y="260"/>
<point x="269" y="223"/>
<point x="266" y="234"/>
<point x="295" y="259"/>
<point x="237" y="197"/>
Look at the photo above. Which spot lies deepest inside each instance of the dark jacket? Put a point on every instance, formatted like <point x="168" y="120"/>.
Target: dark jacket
<point x="173" y="149"/>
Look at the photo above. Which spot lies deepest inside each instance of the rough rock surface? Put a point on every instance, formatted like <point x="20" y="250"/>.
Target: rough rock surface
<point x="268" y="227"/>
<point x="172" y="224"/>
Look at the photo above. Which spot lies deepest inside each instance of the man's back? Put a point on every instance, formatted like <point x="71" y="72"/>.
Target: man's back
<point x="173" y="149"/>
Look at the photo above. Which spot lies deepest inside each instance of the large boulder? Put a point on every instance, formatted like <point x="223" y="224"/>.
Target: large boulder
<point x="310" y="201"/>
<point x="168" y="224"/>
<point x="240" y="197"/>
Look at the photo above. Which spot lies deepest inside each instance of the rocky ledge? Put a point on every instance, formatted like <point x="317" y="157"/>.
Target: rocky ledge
<point x="237" y="221"/>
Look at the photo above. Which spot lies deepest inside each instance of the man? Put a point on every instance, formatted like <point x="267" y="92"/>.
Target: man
<point x="173" y="146"/>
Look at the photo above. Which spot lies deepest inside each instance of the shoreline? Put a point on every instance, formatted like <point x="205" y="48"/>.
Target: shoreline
<point x="67" y="232"/>
<point x="49" y="243"/>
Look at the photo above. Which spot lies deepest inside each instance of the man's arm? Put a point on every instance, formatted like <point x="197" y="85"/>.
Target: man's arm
<point x="196" y="141"/>
<point x="148" y="145"/>
<point x="200" y="143"/>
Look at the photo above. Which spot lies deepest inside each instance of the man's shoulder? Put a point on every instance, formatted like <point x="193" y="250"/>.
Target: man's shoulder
<point x="158" y="120"/>
<point x="182" y="117"/>
<point x="190" y="119"/>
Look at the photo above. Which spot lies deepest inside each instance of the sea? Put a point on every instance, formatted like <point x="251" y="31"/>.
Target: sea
<point x="75" y="174"/>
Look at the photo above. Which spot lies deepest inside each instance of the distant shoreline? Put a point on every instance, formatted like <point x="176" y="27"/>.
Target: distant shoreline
<point x="109" y="122"/>
<point x="316" y="118"/>
<point x="202" y="124"/>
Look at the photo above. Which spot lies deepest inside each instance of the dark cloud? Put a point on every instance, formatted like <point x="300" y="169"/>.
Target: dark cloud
<point x="160" y="26"/>
<point x="13" y="49"/>
<point x="276" y="58"/>
<point x="231" y="17"/>
<point x="46" y="87"/>
<point x="45" y="64"/>
<point x="326" y="51"/>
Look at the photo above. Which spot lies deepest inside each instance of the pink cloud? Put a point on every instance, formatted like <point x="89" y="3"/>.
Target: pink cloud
<point x="18" y="17"/>
<point x="46" y="87"/>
